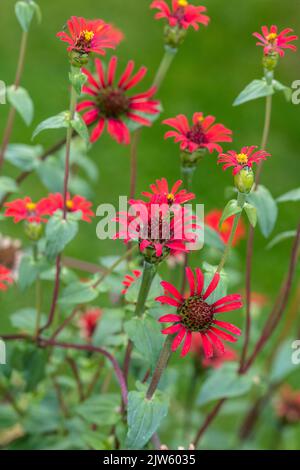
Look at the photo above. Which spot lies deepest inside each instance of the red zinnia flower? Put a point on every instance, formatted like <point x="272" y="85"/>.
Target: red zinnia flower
<point x="75" y="204"/>
<point x="110" y="104"/>
<point x="129" y="279"/>
<point x="25" y="209"/>
<point x="182" y="14"/>
<point x="274" y="42"/>
<point x="245" y="158"/>
<point x="163" y="195"/>
<point x="196" y="315"/>
<point x="5" y="277"/>
<point x="87" y="36"/>
<point x="157" y="227"/>
<point x="203" y="134"/>
<point x="212" y="219"/>
<point x="89" y="321"/>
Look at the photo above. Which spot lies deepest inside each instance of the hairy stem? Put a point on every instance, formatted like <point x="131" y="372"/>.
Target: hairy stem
<point x="68" y="149"/>
<point x="160" y="367"/>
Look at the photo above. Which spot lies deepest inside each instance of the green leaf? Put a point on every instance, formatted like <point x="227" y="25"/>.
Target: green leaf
<point x="255" y="89"/>
<point x="25" y="320"/>
<point x="212" y="238"/>
<point x="251" y="213"/>
<point x="22" y="156"/>
<point x="232" y="208"/>
<point x="21" y="101"/>
<point x="281" y="237"/>
<point x="80" y="127"/>
<point x="224" y="383"/>
<point x="7" y="185"/>
<point x="35" y="361"/>
<point x="77" y="79"/>
<point x="78" y="293"/>
<point x="55" y="122"/>
<point x="25" y="11"/>
<point x="102" y="410"/>
<point x="109" y="329"/>
<point x="145" y="333"/>
<point x="28" y="271"/>
<point x="155" y="291"/>
<point x="59" y="232"/>
<point x="267" y="210"/>
<point x="287" y="91"/>
<point x="293" y="195"/>
<point x="51" y="175"/>
<point x="144" y="417"/>
<point x="283" y="364"/>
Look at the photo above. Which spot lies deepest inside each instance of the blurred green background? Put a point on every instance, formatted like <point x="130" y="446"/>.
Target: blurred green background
<point x="209" y="71"/>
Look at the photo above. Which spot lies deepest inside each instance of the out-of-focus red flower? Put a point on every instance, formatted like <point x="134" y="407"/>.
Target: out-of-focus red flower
<point x="175" y="258"/>
<point x="130" y="279"/>
<point x="217" y="360"/>
<point x="87" y="36"/>
<point x="110" y="104"/>
<point x="288" y="404"/>
<point x="26" y="209"/>
<point x="5" y="277"/>
<point x="212" y="219"/>
<point x="203" y="134"/>
<point x="246" y="158"/>
<point x="75" y="204"/>
<point x="275" y="42"/>
<point x="182" y="14"/>
<point x="196" y="315"/>
<point x="89" y="321"/>
<point x="161" y="193"/>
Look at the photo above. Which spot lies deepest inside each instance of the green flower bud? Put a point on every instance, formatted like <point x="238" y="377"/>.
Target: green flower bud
<point x="244" y="180"/>
<point x="151" y="258"/>
<point x="191" y="160"/>
<point x="34" y="231"/>
<point x="174" y="36"/>
<point x="78" y="59"/>
<point x="270" y="61"/>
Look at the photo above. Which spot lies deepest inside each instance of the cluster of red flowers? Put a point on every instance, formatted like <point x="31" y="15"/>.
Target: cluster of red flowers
<point x="35" y="212"/>
<point x="129" y="279"/>
<point x="159" y="224"/>
<point x="196" y="315"/>
<point x="5" y="278"/>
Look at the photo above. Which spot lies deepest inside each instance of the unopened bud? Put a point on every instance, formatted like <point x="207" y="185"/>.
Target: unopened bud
<point x="244" y="180"/>
<point x="78" y="59"/>
<point x="270" y="61"/>
<point x="34" y="231"/>
<point x="174" y="36"/>
<point x="151" y="257"/>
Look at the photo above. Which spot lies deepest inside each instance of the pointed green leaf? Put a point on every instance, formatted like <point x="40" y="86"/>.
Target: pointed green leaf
<point x="255" y="89"/>
<point x="251" y="213"/>
<point x="55" y="122"/>
<point x="7" y="185"/>
<point x="78" y="293"/>
<point x="59" y="233"/>
<point x="25" y="11"/>
<point x="19" y="98"/>
<point x="232" y="208"/>
<point x="24" y="157"/>
<point x="281" y="237"/>
<point x="80" y="127"/>
<point x="293" y="195"/>
<point x="287" y="91"/>
<point x="267" y="210"/>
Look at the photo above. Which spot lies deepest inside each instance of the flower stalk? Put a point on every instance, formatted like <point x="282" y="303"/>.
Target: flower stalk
<point x="73" y="100"/>
<point x="160" y="367"/>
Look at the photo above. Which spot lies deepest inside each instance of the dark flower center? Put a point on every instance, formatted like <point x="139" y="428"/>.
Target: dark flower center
<point x="179" y="14"/>
<point x="112" y="103"/>
<point x="84" y="40"/>
<point x="197" y="135"/>
<point x="196" y="314"/>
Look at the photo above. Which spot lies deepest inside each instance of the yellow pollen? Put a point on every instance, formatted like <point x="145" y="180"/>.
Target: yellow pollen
<point x="170" y="197"/>
<point x="70" y="204"/>
<point x="30" y="206"/>
<point x="200" y="118"/>
<point x="88" y="35"/>
<point x="271" y="37"/>
<point x="242" y="158"/>
<point x="183" y="3"/>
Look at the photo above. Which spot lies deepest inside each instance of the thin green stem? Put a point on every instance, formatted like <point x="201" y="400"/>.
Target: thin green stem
<point x="38" y="293"/>
<point x="12" y="111"/>
<point x="73" y="99"/>
<point x="241" y="201"/>
<point x="160" y="367"/>
<point x="164" y="67"/>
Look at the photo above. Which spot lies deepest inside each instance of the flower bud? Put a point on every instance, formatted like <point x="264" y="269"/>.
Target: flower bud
<point x="244" y="180"/>
<point x="190" y="160"/>
<point x="270" y="61"/>
<point x="78" y="59"/>
<point x="34" y="231"/>
<point x="174" y="36"/>
<point x="151" y="257"/>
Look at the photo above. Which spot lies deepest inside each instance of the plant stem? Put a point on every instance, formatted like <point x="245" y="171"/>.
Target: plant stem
<point x="55" y="295"/>
<point x="164" y="67"/>
<point x="10" y="398"/>
<point x="210" y="417"/>
<point x="149" y="271"/>
<point x="68" y="148"/>
<point x="75" y="371"/>
<point x="38" y="293"/>
<point x="241" y="201"/>
<point x="12" y="111"/>
<point x="187" y="174"/>
<point x="160" y="367"/>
